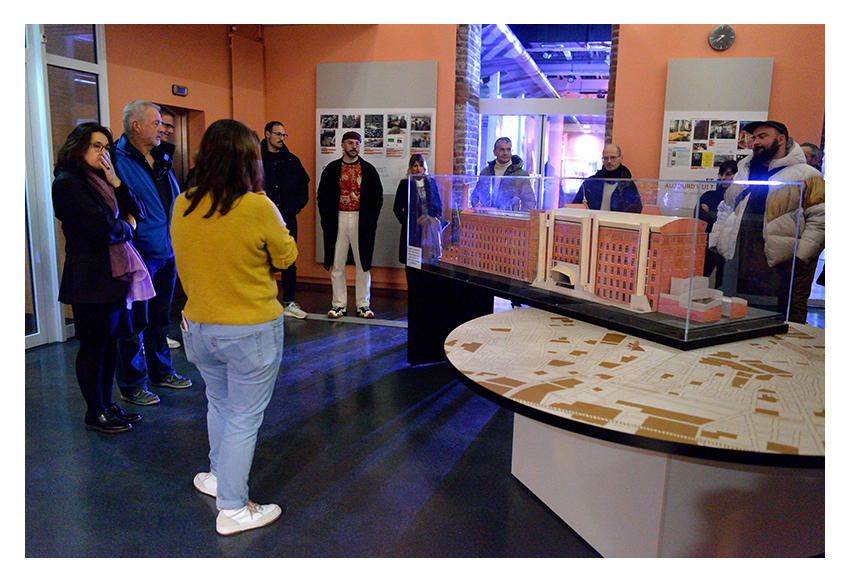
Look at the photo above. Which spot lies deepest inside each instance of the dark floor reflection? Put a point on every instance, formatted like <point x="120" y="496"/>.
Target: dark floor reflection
<point x="369" y="457"/>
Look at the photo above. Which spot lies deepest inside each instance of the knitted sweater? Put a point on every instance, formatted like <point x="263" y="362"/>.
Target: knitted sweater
<point x="225" y="262"/>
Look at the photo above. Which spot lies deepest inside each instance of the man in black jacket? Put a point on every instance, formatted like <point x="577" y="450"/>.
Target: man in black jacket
<point x="610" y="188"/>
<point x="349" y="198"/>
<point x="286" y="186"/>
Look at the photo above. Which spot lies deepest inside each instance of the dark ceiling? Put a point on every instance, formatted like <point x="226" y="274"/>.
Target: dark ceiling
<point x="542" y="60"/>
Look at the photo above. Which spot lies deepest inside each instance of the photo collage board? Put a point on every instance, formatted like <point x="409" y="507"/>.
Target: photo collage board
<point x="695" y="143"/>
<point x="389" y="137"/>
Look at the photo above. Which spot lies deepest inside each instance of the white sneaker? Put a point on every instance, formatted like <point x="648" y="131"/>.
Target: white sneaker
<point x="173" y="344"/>
<point x="292" y="309"/>
<point x="206" y="483"/>
<point x="231" y="521"/>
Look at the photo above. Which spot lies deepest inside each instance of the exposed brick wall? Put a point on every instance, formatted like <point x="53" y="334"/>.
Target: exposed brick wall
<point x="612" y="83"/>
<point x="467" y="116"/>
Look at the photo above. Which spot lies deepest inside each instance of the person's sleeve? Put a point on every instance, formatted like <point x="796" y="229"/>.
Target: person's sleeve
<point x="128" y="202"/>
<point x="280" y="245"/>
<point x="303" y="187"/>
<point x="813" y="237"/>
<point x="78" y="211"/>
<point x="400" y="203"/>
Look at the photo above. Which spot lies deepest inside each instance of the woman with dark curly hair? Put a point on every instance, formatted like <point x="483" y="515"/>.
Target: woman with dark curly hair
<point x="103" y="273"/>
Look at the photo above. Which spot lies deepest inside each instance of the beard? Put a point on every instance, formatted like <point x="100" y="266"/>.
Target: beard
<point x="763" y="155"/>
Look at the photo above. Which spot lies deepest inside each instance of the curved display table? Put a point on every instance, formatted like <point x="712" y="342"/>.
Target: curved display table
<point x="646" y="450"/>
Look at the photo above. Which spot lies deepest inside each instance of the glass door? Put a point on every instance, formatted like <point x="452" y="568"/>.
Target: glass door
<point x="65" y="86"/>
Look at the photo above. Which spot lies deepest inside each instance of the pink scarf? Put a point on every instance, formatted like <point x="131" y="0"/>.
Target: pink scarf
<point x="127" y="264"/>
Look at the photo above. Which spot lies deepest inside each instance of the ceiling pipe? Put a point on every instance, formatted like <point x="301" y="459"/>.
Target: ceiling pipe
<point x="524" y="60"/>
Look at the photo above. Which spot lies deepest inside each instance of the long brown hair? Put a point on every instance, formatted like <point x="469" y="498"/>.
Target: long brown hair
<point x="227" y="167"/>
<point x="417" y="158"/>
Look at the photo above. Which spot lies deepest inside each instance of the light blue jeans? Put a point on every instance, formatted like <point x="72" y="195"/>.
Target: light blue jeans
<point x="239" y="364"/>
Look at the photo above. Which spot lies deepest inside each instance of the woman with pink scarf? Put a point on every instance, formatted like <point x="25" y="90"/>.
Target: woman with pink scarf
<point x="103" y="273"/>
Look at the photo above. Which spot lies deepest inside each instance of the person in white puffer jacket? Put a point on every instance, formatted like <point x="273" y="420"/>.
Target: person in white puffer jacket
<point x="760" y="222"/>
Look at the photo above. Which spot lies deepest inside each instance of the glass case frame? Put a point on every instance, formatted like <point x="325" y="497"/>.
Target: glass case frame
<point x="641" y="273"/>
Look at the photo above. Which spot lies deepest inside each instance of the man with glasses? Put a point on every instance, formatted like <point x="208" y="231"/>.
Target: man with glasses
<point x="286" y="186"/>
<point x="143" y="355"/>
<point x="610" y="187"/>
<point x="167" y="144"/>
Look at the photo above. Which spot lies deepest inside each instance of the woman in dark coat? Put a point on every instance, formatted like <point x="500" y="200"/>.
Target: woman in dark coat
<point x="424" y="216"/>
<point x="103" y="273"/>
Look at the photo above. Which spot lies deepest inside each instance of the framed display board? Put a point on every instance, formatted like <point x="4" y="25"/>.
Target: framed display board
<point x="392" y="105"/>
<point x="707" y="103"/>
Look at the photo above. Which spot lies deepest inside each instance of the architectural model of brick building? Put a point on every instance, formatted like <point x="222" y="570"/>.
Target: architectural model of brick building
<point x="498" y="244"/>
<point x="616" y="258"/>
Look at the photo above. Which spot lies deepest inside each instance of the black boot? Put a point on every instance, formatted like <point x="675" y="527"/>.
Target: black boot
<point x="106" y="422"/>
<point x="122" y="414"/>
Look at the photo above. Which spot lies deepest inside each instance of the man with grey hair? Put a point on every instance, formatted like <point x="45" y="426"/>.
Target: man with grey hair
<point x="143" y="354"/>
<point x="495" y="190"/>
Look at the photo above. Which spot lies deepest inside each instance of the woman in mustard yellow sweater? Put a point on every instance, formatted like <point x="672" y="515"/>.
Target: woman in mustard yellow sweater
<point x="229" y="239"/>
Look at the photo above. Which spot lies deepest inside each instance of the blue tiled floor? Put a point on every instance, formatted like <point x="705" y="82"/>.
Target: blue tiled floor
<point x="369" y="457"/>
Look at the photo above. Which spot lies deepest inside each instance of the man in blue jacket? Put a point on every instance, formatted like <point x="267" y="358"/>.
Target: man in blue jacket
<point x="146" y="169"/>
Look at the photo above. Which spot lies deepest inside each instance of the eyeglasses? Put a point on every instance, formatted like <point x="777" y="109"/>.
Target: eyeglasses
<point x="168" y="126"/>
<point x="97" y="147"/>
<point x="280" y="135"/>
<point x="609" y="158"/>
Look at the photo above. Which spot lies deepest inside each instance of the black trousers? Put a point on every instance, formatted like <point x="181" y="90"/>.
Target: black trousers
<point x="287" y="277"/>
<point x="97" y="327"/>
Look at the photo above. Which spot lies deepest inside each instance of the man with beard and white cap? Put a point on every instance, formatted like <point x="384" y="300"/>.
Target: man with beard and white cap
<point x="759" y="221"/>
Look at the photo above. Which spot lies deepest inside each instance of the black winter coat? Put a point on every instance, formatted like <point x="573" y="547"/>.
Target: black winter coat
<point x="371" y="200"/>
<point x="89" y="228"/>
<point x="286" y="180"/>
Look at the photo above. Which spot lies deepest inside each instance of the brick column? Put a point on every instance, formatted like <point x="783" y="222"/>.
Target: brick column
<point x="467" y="81"/>
<point x="612" y="83"/>
<point x="467" y="115"/>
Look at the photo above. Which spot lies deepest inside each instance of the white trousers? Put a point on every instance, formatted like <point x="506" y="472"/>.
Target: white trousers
<point x="347" y="236"/>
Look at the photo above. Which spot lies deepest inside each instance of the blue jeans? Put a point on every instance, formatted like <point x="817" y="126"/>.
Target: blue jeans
<point x="144" y="354"/>
<point x="239" y="364"/>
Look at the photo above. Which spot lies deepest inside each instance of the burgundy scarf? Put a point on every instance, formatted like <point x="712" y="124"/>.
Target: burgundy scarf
<point x="127" y="264"/>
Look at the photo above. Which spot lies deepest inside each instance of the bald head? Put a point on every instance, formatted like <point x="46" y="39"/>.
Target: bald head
<point x="612" y="157"/>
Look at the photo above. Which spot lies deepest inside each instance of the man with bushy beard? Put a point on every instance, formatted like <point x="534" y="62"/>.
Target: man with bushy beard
<point x="759" y="222"/>
<point x="610" y="187"/>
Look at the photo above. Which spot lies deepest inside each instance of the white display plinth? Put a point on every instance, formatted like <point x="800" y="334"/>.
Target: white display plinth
<point x="630" y="502"/>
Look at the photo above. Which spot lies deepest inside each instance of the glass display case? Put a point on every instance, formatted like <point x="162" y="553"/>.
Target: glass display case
<point x="654" y="264"/>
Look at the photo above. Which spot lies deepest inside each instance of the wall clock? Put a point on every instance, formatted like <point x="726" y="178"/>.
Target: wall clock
<point x="721" y="37"/>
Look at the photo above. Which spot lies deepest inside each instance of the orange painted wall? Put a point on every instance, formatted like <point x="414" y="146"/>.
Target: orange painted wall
<point x="797" y="91"/>
<point x="292" y="54"/>
<point x="143" y="61"/>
